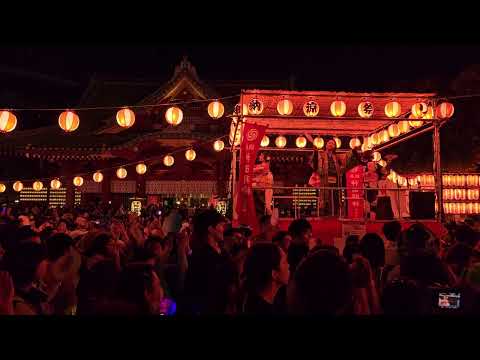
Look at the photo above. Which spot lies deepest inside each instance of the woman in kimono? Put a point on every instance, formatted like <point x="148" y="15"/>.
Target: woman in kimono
<point x="262" y="185"/>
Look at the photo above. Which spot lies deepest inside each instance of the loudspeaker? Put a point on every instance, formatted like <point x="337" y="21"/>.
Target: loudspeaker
<point x="422" y="205"/>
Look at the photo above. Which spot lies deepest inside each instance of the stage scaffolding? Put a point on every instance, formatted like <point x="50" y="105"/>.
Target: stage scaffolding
<point x="350" y="125"/>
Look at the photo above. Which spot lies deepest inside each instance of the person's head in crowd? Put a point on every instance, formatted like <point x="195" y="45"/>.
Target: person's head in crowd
<point x="132" y="217"/>
<point x="265" y="223"/>
<point x="472" y="277"/>
<point x="392" y="231"/>
<point x="417" y="238"/>
<point x="102" y="245"/>
<point x="321" y="285"/>
<point x="160" y="248"/>
<point x="466" y="235"/>
<point x="350" y="251"/>
<point x="139" y="285"/>
<point x="26" y="234"/>
<point x="301" y="231"/>
<point x="325" y="247"/>
<point x="402" y="297"/>
<point x="208" y="228"/>
<point x="46" y="233"/>
<point x="233" y="238"/>
<point x="58" y="245"/>
<point x="473" y="221"/>
<point x="352" y="239"/>
<point x="142" y="255"/>
<point x="97" y="285"/>
<point x="81" y="222"/>
<point x="373" y="249"/>
<point x="426" y="268"/>
<point x="283" y="240"/>
<point x="24" y="220"/>
<point x="458" y="257"/>
<point x="62" y="227"/>
<point x="23" y="264"/>
<point x="331" y="145"/>
<point x="265" y="270"/>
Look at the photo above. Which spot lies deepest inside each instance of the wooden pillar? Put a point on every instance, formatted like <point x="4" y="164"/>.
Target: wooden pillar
<point x="140" y="182"/>
<point x="70" y="194"/>
<point x="437" y="170"/>
<point x="106" y="187"/>
<point x="234" y="186"/>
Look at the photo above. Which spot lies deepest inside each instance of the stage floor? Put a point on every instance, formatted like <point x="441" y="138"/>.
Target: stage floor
<point x="331" y="230"/>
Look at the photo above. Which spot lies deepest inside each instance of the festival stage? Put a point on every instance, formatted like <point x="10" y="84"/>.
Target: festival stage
<point x="330" y="230"/>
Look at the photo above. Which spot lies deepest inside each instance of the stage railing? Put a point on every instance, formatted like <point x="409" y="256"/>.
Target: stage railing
<point x="375" y="203"/>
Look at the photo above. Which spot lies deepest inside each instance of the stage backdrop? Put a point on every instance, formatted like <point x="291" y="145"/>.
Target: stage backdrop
<point x="252" y="136"/>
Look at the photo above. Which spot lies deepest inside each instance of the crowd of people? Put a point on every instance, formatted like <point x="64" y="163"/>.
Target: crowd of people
<point x="97" y="261"/>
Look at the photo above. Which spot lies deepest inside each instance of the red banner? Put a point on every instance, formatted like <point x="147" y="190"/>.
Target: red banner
<point x="355" y="192"/>
<point x="252" y="136"/>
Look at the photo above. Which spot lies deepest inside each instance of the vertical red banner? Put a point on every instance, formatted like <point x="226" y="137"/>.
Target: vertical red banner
<point x="355" y="192"/>
<point x="252" y="136"/>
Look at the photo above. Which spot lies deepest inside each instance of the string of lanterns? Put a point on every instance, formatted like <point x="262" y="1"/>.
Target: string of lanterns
<point x="365" y="109"/>
<point x="121" y="172"/>
<point x="69" y="120"/>
<point x="318" y="142"/>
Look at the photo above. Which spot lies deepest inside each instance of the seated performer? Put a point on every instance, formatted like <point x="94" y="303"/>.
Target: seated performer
<point x="262" y="185"/>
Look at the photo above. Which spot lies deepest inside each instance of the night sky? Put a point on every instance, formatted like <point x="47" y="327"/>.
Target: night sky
<point x="57" y="76"/>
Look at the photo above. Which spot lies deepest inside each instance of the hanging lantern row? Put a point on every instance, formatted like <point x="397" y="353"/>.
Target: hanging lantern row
<point x="121" y="172"/>
<point x="461" y="208"/>
<point x="461" y="180"/>
<point x="365" y="109"/>
<point x="400" y="180"/>
<point x="393" y="131"/>
<point x="461" y="194"/>
<point x="69" y="120"/>
<point x="301" y="142"/>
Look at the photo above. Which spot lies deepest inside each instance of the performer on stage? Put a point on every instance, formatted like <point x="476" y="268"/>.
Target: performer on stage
<point x="327" y="172"/>
<point x="371" y="183"/>
<point x="262" y="185"/>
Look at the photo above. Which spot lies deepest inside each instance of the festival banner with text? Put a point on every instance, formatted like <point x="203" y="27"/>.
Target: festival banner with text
<point x="252" y="136"/>
<point x="355" y="192"/>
